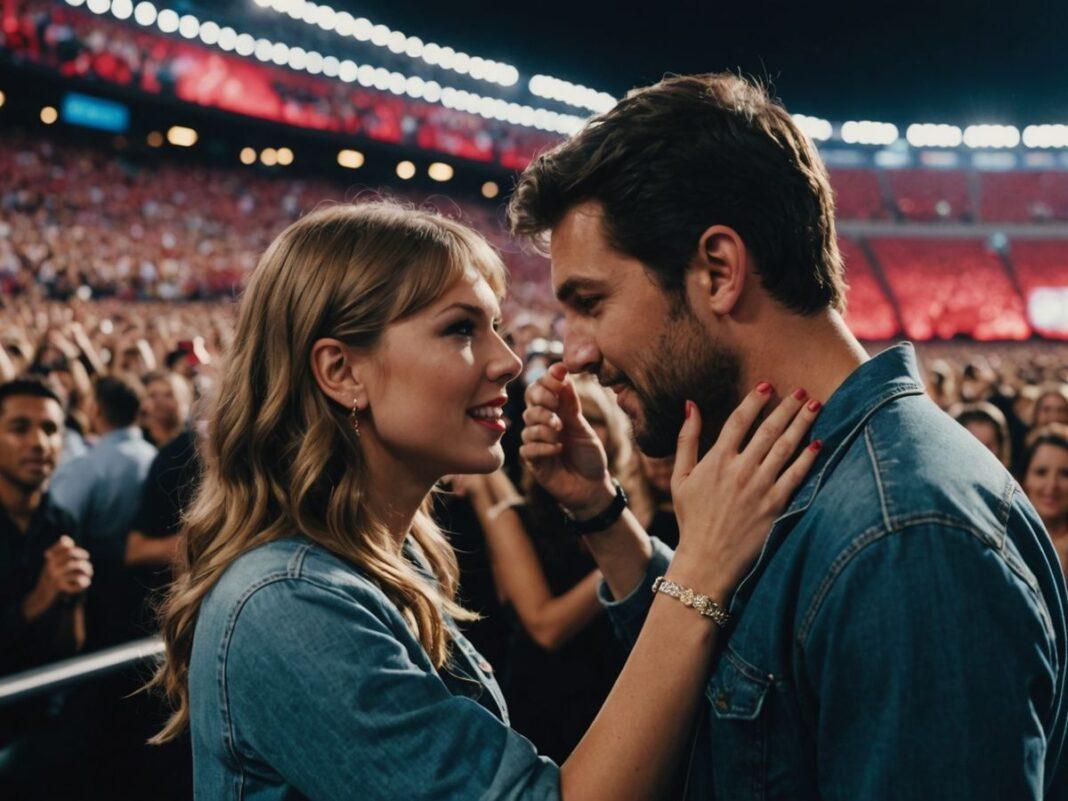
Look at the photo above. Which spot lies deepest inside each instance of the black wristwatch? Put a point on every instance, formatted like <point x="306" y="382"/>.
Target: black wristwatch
<point x="600" y="521"/>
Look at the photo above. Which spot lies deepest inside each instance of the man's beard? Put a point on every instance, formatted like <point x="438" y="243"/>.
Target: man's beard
<point x="684" y="365"/>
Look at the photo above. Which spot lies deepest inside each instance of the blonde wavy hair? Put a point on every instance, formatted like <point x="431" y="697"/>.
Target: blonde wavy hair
<point x="280" y="458"/>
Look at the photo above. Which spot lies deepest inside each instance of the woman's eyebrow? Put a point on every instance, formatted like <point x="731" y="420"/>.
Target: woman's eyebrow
<point x="472" y="308"/>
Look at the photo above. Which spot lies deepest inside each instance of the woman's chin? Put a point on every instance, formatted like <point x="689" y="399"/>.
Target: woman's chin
<point x="489" y="461"/>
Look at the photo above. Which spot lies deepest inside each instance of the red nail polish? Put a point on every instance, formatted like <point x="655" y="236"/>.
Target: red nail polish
<point x="763" y="387"/>
<point x="816" y="445"/>
<point x="689" y="409"/>
<point x="815" y="406"/>
<point x="800" y="394"/>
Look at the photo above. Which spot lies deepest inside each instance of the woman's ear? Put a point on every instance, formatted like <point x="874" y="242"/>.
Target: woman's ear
<point x="339" y="372"/>
<point x="718" y="272"/>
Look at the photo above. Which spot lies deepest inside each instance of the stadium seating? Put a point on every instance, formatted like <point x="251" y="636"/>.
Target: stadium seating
<point x="869" y="313"/>
<point x="858" y="195"/>
<point x="926" y="195"/>
<point x="951" y="287"/>
<point x="1024" y="197"/>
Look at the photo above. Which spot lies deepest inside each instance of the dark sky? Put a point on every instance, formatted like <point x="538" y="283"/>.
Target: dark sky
<point x="895" y="61"/>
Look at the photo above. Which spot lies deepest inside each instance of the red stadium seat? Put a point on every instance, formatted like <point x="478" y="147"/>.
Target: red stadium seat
<point x="869" y="313"/>
<point x="1042" y="270"/>
<point x="931" y="194"/>
<point x="1024" y="196"/>
<point x="858" y="195"/>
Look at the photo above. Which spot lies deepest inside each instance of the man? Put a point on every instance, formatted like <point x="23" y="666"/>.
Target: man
<point x="903" y="633"/>
<point x="43" y="573"/>
<point x="102" y="490"/>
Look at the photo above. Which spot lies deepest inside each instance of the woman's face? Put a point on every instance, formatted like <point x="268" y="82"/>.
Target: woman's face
<point x="435" y="388"/>
<point x="987" y="434"/>
<point x="1051" y="408"/>
<point x="1046" y="483"/>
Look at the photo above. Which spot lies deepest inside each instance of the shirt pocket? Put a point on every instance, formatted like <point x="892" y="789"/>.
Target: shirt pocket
<point x="737" y="695"/>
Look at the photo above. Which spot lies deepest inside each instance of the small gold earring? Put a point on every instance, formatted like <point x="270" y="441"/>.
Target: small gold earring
<point x="355" y="420"/>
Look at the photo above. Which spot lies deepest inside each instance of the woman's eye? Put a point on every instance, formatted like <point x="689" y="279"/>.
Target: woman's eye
<point x="463" y="328"/>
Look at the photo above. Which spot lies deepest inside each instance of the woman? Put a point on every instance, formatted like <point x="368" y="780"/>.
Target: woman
<point x="1051" y="405"/>
<point x="987" y="423"/>
<point x="165" y="409"/>
<point x="311" y="640"/>
<point x="1045" y="480"/>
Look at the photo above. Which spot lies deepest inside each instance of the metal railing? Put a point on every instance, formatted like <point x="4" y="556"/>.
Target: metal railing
<point x="78" y="669"/>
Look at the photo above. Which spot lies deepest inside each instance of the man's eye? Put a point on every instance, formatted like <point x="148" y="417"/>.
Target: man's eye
<point x="586" y="303"/>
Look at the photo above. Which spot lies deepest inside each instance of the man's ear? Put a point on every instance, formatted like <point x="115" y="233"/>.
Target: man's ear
<point x="340" y="371"/>
<point x="718" y="272"/>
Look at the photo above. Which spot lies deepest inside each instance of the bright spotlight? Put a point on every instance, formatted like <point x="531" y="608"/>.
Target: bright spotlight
<point x="248" y="155"/>
<point x="189" y="26"/>
<point x="285" y="156"/>
<point x="269" y="156"/>
<point x="181" y="136"/>
<point x="168" y="20"/>
<point x="490" y="190"/>
<point x="145" y="14"/>
<point x="405" y="170"/>
<point x="350" y="159"/>
<point x="440" y="171"/>
<point x="49" y="115"/>
<point x="122" y="9"/>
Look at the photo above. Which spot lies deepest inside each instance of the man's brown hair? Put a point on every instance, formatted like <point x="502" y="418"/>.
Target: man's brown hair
<point x="671" y="160"/>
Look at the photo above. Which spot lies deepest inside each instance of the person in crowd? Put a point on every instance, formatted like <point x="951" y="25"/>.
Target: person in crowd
<point x="44" y="573"/>
<point x="910" y="587"/>
<point x="661" y="522"/>
<point x="311" y="635"/>
<point x="562" y="659"/>
<point x="102" y="490"/>
<point x="1045" y="480"/>
<point x="167" y="403"/>
<point x="44" y="577"/>
<point x="987" y="424"/>
<point x="1051" y="405"/>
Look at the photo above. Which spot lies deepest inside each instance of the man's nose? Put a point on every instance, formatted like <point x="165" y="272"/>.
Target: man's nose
<point x="581" y="354"/>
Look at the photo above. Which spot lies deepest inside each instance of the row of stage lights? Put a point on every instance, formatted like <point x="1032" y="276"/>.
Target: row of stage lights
<point x="281" y="54"/>
<point x="862" y="132"/>
<point x="867" y="132"/>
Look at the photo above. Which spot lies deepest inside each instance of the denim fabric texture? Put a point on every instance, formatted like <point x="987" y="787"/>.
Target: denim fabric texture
<point x="902" y="636"/>
<point x="306" y="682"/>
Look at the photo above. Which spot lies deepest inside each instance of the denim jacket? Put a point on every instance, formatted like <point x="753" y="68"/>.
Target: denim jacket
<point x="902" y="634"/>
<point x="306" y="682"/>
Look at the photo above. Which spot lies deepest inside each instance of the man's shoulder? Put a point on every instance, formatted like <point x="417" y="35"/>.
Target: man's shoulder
<point x="910" y="464"/>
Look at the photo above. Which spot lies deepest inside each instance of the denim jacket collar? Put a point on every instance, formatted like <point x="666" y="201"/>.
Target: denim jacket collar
<point x="892" y="374"/>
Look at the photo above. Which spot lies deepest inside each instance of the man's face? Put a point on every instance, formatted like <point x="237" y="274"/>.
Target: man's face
<point x="31" y="437"/>
<point x="642" y="342"/>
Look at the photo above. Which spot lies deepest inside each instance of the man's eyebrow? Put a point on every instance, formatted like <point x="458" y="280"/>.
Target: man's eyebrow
<point x="572" y="285"/>
<point x="471" y="308"/>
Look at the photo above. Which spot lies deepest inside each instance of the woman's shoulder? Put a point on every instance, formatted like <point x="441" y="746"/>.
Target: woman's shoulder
<point x="293" y="571"/>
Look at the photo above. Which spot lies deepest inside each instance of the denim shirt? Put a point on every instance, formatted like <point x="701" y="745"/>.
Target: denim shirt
<point x="902" y="634"/>
<point x="306" y="682"/>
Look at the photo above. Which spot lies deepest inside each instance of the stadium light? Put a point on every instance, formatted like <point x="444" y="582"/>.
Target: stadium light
<point x="181" y="136"/>
<point x="991" y="136"/>
<point x="933" y="135"/>
<point x="189" y="26"/>
<point x="440" y="171"/>
<point x="363" y="30"/>
<point x="285" y="156"/>
<point x="49" y="115"/>
<point x="490" y="190"/>
<point x="269" y="156"/>
<point x="227" y="39"/>
<point x="122" y="9"/>
<point x="405" y="170"/>
<point x="866" y="132"/>
<point x="570" y="93"/>
<point x="350" y="159"/>
<point x="1045" y="136"/>
<point x="75" y="3"/>
<point x="145" y="14"/>
<point x="815" y="128"/>
<point x="3" y="99"/>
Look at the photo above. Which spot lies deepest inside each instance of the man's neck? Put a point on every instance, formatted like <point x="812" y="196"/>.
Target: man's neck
<point x="814" y="353"/>
<point x="19" y="502"/>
